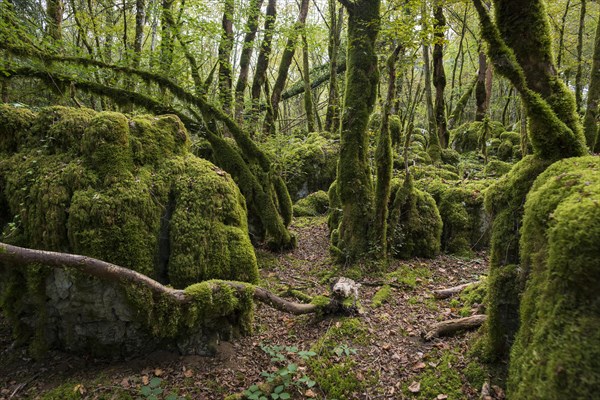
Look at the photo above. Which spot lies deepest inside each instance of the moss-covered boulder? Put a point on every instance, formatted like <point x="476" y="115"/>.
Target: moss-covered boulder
<point x="556" y="354"/>
<point x="469" y="136"/>
<point x="127" y="191"/>
<point x="466" y="224"/>
<point x="306" y="165"/>
<point x="415" y="225"/>
<point x="312" y="205"/>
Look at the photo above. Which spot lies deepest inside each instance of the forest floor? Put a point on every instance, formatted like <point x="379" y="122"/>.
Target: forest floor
<point x="379" y="354"/>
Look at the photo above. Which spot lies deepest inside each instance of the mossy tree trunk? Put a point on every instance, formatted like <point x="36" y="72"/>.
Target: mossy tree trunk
<point x="354" y="176"/>
<point x="284" y="67"/>
<point x="520" y="48"/>
<point x="480" y="91"/>
<point x="262" y="63"/>
<point x="439" y="75"/>
<point x="332" y="117"/>
<point x="54" y="18"/>
<point x="225" y="49"/>
<point x="579" y="72"/>
<point x="246" y="56"/>
<point x="590" y="122"/>
<point x="384" y="162"/>
<point x="308" y="103"/>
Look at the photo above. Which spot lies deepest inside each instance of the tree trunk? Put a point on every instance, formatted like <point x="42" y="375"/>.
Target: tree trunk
<point x="353" y="175"/>
<point x="561" y="35"/>
<point x="332" y="117"/>
<point x="384" y="162"/>
<point x="166" y="43"/>
<point x="579" y="73"/>
<point x="262" y="63"/>
<point x="225" y="48"/>
<point x="284" y="66"/>
<point x="140" y="20"/>
<point x="480" y="89"/>
<point x="246" y="56"/>
<point x="308" y="103"/>
<point x="456" y="114"/>
<point x="590" y="122"/>
<point x="54" y="14"/>
<point x="439" y="76"/>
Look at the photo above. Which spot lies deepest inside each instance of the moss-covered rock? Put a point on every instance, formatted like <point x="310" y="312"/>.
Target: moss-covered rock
<point x="131" y="194"/>
<point x="14" y="125"/>
<point x="306" y="165"/>
<point x="312" y="205"/>
<point x="415" y="225"/>
<point x="469" y="136"/>
<point x="556" y="353"/>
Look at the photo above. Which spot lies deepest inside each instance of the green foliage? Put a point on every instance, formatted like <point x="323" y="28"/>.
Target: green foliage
<point x="441" y="379"/>
<point x="408" y="276"/>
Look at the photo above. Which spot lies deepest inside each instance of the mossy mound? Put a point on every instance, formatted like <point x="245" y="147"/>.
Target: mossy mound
<point x="415" y="225"/>
<point x="556" y="353"/>
<point x="460" y="204"/>
<point x="469" y="136"/>
<point x="14" y="126"/>
<point x="312" y="205"/>
<point x="131" y="194"/>
<point x="306" y="165"/>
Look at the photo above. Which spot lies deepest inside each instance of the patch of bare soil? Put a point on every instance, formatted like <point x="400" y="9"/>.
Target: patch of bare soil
<point x="390" y="361"/>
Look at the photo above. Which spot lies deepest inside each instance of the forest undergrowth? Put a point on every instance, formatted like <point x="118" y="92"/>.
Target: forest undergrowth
<point x="378" y="354"/>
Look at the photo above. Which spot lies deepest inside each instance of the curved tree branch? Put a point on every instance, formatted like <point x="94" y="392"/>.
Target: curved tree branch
<point x="14" y="256"/>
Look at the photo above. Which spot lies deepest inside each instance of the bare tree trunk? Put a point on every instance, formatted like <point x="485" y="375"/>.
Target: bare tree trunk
<point x="246" y="56"/>
<point x="284" y="66"/>
<point x="225" y="48"/>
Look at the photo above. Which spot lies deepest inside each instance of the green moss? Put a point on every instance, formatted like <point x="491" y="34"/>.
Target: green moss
<point x="105" y="144"/>
<point x="496" y="168"/>
<point x="14" y="126"/>
<point x="450" y="156"/>
<point x="415" y="224"/>
<point x="59" y="129"/>
<point x="408" y="276"/>
<point x="555" y="354"/>
<point x="306" y="165"/>
<point x="468" y="137"/>
<point x="173" y="217"/>
<point x="336" y="375"/>
<point x="395" y="127"/>
<point x="66" y="391"/>
<point x="312" y="205"/>
<point x="381" y="296"/>
<point x="513" y="137"/>
<point x="505" y="150"/>
<point x="442" y="379"/>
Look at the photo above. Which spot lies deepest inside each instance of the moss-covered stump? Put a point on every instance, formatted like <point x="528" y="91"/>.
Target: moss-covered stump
<point x="556" y="354"/>
<point x="415" y="225"/>
<point x="127" y="191"/>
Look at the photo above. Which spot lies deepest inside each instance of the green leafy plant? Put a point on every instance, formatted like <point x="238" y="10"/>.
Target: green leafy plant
<point x="152" y="391"/>
<point x="286" y="377"/>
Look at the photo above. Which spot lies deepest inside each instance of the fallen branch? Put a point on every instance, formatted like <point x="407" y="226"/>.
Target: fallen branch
<point x="448" y="328"/>
<point x="14" y="255"/>
<point x="445" y="293"/>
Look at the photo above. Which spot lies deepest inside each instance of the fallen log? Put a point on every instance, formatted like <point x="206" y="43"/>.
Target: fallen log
<point x="14" y="256"/>
<point x="448" y="292"/>
<point x="448" y="328"/>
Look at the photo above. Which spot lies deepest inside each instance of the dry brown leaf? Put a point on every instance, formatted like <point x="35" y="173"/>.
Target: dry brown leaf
<point x="442" y="397"/>
<point x="420" y="365"/>
<point x="188" y="373"/>
<point x="158" y="372"/>
<point x="415" y="387"/>
<point x="145" y="380"/>
<point x="310" y="394"/>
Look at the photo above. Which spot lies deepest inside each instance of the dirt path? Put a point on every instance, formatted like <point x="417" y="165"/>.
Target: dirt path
<point x="377" y="355"/>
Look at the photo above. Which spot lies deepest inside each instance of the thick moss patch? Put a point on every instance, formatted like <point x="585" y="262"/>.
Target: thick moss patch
<point x="127" y="191"/>
<point x="556" y="353"/>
